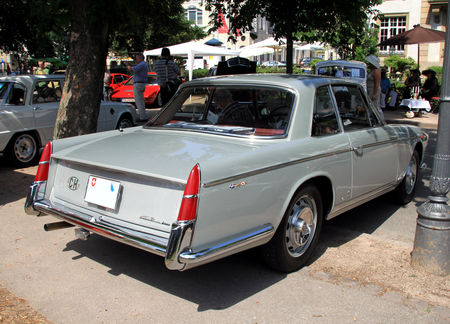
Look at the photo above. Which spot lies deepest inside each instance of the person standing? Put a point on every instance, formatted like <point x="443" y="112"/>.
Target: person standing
<point x="41" y="69"/>
<point x="166" y="72"/>
<point x="106" y="83"/>
<point x="373" y="82"/>
<point x="140" y="71"/>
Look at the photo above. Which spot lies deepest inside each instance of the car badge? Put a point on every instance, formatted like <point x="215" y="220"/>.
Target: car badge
<point x="73" y="183"/>
<point x="237" y="185"/>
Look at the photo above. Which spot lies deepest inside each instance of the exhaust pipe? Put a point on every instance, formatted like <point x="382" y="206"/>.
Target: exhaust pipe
<point x="56" y="226"/>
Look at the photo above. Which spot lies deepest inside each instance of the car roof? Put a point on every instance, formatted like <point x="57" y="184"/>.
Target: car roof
<point x="284" y="80"/>
<point x="29" y="79"/>
<point x="342" y="63"/>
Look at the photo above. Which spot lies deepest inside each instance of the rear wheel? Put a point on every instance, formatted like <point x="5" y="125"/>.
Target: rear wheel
<point x="298" y="232"/>
<point x="124" y="122"/>
<point x="23" y="150"/>
<point x="405" y="191"/>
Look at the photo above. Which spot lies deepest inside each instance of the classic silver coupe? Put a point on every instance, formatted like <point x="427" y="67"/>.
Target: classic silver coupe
<point x="231" y="163"/>
<point x="28" y="108"/>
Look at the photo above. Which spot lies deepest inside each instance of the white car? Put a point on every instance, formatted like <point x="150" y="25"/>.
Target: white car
<point x="28" y="109"/>
<point x="354" y="70"/>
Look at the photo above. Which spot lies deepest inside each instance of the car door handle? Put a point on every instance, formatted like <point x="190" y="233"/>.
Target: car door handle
<point x="36" y="108"/>
<point x="358" y="149"/>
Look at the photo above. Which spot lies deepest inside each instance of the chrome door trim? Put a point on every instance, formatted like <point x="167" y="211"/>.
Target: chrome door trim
<point x="272" y="168"/>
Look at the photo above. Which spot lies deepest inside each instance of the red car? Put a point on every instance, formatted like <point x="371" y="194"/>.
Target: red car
<point x="152" y="95"/>
<point x="117" y="79"/>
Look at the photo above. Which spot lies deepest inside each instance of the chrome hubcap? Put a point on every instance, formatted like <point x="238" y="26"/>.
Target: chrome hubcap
<point x="411" y="175"/>
<point x="25" y="148"/>
<point x="301" y="226"/>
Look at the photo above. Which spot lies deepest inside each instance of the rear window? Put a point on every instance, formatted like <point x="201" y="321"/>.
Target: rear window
<point x="243" y="111"/>
<point x="342" y="71"/>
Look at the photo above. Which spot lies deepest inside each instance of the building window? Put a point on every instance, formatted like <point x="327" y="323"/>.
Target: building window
<point x="262" y="23"/>
<point x="194" y="15"/>
<point x="391" y="26"/>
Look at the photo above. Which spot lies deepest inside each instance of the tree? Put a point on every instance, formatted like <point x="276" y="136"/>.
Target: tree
<point x="87" y="29"/>
<point x="305" y="20"/>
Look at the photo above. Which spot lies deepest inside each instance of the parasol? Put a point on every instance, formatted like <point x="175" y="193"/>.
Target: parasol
<point x="417" y="35"/>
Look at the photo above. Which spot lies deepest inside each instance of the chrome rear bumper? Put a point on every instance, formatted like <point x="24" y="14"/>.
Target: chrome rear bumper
<point x="176" y="250"/>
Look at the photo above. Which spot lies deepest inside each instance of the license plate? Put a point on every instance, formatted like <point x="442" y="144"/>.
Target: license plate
<point x="102" y="192"/>
<point x="128" y="100"/>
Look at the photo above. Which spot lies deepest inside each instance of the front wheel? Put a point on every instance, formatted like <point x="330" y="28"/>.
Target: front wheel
<point x="298" y="232"/>
<point x="405" y="191"/>
<point x="23" y="150"/>
<point x="124" y="122"/>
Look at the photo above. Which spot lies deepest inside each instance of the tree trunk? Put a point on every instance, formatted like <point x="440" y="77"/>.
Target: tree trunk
<point x="80" y="102"/>
<point x="289" y="53"/>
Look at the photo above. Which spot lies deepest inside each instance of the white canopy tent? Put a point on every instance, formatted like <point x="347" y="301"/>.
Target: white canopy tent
<point x="254" y="51"/>
<point x="190" y="50"/>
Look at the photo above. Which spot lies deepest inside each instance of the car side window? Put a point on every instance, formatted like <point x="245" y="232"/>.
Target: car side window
<point x="17" y="95"/>
<point x="324" y="117"/>
<point x="353" y="108"/>
<point x="47" y="91"/>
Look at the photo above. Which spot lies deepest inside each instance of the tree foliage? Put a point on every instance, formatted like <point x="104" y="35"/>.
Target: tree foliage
<point x="304" y="20"/>
<point x="85" y="30"/>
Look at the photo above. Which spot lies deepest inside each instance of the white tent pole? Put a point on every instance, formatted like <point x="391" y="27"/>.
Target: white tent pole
<point x="190" y="64"/>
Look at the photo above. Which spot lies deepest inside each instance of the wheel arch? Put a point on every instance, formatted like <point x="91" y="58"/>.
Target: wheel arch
<point x="125" y="114"/>
<point x="325" y="187"/>
<point x="32" y="132"/>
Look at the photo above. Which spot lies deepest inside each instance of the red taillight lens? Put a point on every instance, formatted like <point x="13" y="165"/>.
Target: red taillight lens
<point x="44" y="163"/>
<point x="188" y="209"/>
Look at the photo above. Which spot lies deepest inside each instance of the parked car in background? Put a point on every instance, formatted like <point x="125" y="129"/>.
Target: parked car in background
<point x="274" y="64"/>
<point x="28" y="109"/>
<point x="231" y="163"/>
<point x="354" y="70"/>
<point x="117" y="79"/>
<point x="306" y="62"/>
<point x="152" y="95"/>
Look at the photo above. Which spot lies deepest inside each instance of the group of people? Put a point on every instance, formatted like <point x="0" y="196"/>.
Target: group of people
<point x="379" y="87"/>
<point x="167" y="73"/>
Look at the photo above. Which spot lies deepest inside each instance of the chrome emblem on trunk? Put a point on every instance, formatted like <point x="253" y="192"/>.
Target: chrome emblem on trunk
<point x="73" y="183"/>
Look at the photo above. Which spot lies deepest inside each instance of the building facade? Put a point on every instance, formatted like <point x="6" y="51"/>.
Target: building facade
<point x="402" y="15"/>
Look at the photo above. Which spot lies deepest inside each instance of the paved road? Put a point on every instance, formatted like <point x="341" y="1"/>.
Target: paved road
<point x="101" y="281"/>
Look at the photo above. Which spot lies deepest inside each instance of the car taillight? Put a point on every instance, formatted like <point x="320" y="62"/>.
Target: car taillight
<point x="188" y="209"/>
<point x="44" y="163"/>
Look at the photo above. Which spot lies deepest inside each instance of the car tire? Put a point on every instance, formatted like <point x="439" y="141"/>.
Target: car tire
<point x="124" y="122"/>
<point x="405" y="191"/>
<point x="298" y="233"/>
<point x="23" y="150"/>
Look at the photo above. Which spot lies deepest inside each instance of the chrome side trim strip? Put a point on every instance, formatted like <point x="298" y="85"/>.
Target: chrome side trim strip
<point x="245" y="241"/>
<point x="362" y="199"/>
<point x="273" y="167"/>
<point x="134" y="238"/>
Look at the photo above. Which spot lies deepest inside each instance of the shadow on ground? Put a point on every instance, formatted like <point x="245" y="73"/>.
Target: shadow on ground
<point x="14" y="183"/>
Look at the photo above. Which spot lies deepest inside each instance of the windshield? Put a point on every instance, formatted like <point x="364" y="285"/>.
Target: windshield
<point x="243" y="111"/>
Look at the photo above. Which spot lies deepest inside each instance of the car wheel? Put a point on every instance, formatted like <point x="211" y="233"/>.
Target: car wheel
<point x="405" y="191"/>
<point x="124" y="122"/>
<point x="298" y="232"/>
<point x="23" y="150"/>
